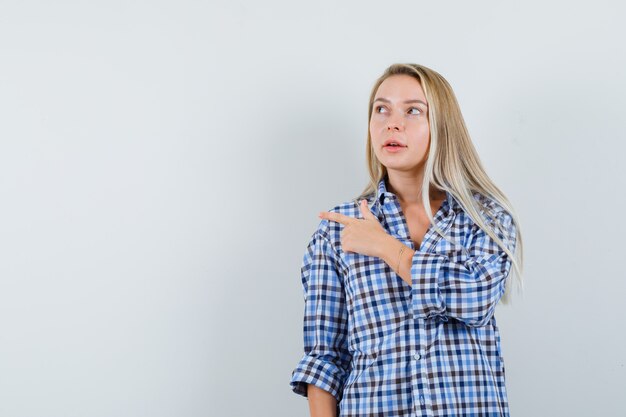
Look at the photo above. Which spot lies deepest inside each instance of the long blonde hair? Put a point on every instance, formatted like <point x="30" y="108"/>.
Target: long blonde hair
<point x="452" y="163"/>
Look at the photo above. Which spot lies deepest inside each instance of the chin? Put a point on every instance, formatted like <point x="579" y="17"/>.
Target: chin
<point x="397" y="167"/>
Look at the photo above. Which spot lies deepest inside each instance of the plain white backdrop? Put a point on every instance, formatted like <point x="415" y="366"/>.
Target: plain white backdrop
<point x="162" y="164"/>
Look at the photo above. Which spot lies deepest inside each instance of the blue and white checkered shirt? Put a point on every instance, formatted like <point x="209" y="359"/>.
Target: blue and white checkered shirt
<point x="386" y="348"/>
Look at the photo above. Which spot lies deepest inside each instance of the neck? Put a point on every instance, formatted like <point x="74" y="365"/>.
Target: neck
<point x="408" y="188"/>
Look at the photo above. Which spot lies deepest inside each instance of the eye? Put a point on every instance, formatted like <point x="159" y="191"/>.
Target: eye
<point x="415" y="108"/>
<point x="378" y="107"/>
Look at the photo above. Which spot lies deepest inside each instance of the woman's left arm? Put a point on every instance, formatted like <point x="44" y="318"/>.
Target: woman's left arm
<point x="466" y="288"/>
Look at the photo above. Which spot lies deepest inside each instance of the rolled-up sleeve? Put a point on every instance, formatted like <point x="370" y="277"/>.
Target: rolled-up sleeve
<point x="326" y="358"/>
<point x="468" y="285"/>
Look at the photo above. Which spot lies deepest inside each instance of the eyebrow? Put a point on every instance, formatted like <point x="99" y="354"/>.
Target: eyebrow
<point x="406" y="101"/>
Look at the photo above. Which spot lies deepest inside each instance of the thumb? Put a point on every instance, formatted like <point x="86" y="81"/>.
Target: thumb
<point x="365" y="211"/>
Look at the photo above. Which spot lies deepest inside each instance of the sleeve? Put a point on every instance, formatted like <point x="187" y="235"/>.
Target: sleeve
<point x="326" y="357"/>
<point x="468" y="286"/>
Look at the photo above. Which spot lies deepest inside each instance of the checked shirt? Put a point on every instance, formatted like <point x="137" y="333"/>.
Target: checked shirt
<point x="382" y="347"/>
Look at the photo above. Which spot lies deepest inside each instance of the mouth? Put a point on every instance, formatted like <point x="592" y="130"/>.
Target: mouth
<point x="393" y="143"/>
<point x="394" y="148"/>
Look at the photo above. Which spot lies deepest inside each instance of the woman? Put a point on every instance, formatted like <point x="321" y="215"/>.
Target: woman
<point x="401" y="283"/>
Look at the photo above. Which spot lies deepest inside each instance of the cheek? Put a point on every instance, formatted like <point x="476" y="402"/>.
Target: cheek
<point x="419" y="137"/>
<point x="376" y="125"/>
<point x="420" y="130"/>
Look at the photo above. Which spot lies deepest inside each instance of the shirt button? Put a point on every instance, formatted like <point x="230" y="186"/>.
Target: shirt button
<point x="422" y="399"/>
<point x="386" y="200"/>
<point x="418" y="356"/>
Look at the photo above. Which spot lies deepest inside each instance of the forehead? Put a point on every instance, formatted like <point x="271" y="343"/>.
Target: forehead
<point x="400" y="87"/>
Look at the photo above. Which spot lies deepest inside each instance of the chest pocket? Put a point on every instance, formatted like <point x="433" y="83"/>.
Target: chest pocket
<point x="378" y="301"/>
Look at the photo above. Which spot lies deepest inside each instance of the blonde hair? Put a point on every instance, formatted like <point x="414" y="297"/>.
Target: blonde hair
<point x="452" y="164"/>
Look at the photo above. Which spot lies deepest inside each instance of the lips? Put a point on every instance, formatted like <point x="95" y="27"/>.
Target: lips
<point x="395" y="141"/>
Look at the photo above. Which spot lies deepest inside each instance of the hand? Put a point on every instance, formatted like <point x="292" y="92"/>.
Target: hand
<point x="365" y="236"/>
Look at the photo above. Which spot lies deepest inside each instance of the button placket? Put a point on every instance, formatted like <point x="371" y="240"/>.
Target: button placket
<point x="423" y="393"/>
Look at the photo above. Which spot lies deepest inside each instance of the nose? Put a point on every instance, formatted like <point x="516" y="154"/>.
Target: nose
<point x="395" y="123"/>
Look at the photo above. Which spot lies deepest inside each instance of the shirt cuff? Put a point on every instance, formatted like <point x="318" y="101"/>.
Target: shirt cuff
<point x="322" y="374"/>
<point x="427" y="300"/>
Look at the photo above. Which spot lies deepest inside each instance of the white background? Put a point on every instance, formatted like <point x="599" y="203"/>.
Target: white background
<point x="162" y="165"/>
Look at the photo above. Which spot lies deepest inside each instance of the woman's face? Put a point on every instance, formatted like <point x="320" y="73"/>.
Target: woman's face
<point x="400" y="113"/>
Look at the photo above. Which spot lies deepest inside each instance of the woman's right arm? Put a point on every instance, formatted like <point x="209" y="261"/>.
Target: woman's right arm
<point x="321" y="403"/>
<point x="326" y="362"/>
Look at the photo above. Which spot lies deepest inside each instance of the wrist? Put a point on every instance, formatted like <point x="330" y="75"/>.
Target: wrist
<point x="390" y="249"/>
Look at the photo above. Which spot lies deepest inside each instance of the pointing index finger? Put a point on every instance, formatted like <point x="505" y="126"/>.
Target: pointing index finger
<point x="336" y="217"/>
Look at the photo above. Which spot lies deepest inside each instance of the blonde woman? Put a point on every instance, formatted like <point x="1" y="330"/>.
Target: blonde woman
<point x="401" y="283"/>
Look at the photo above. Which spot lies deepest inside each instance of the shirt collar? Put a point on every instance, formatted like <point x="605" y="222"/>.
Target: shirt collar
<point x="382" y="193"/>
